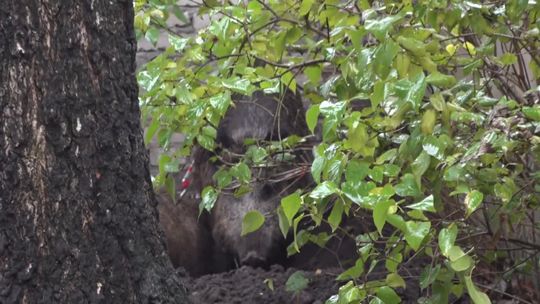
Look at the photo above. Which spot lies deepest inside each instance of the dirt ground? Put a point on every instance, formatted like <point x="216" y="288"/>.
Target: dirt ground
<point x="249" y="285"/>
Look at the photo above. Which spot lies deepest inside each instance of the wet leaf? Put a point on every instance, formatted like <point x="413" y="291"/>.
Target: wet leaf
<point x="253" y="220"/>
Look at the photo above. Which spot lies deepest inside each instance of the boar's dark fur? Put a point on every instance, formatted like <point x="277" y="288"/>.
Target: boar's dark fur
<point x="187" y="236"/>
<point x="260" y="117"/>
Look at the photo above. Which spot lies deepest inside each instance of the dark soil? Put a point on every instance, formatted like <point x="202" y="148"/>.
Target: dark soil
<point x="250" y="285"/>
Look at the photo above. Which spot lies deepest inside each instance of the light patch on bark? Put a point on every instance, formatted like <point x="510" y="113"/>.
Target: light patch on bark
<point x="20" y="48"/>
<point x="99" y="285"/>
<point x="79" y="125"/>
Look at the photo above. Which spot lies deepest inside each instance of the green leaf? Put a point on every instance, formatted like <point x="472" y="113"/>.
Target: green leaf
<point x="441" y="80"/>
<point x="477" y="296"/>
<point x="242" y="172"/>
<point x="305" y="7"/>
<point x="253" y="220"/>
<point x="317" y="167"/>
<point x="379" y="214"/>
<point x="388" y="295"/>
<point x="334" y="219"/>
<point x="221" y="102"/>
<point x="209" y="198"/>
<point x="428" y="122"/>
<point x="313" y="73"/>
<point x="417" y="91"/>
<point x="384" y="54"/>
<point x="447" y="237"/>
<point x="291" y="204"/>
<point x="407" y="186"/>
<point x="378" y="94"/>
<point x="152" y="35"/>
<point x="462" y="263"/>
<point x="377" y="174"/>
<point x="323" y="190"/>
<point x="508" y="58"/>
<point x="283" y="222"/>
<point x="416" y="47"/>
<point x="239" y="85"/>
<point x="356" y="171"/>
<point x="352" y="273"/>
<point x="296" y="282"/>
<point x="532" y="113"/>
<point x="425" y="205"/>
<point x="473" y="201"/>
<point x="178" y="43"/>
<point x="179" y="13"/>
<point x="256" y="154"/>
<point x="428" y="275"/>
<point x="206" y="142"/>
<point x="223" y="178"/>
<point x="394" y="280"/>
<point x="312" y="117"/>
<point x="379" y="28"/>
<point x="361" y="141"/>
<point x="434" y="147"/>
<point x="416" y="232"/>
<point x="420" y="166"/>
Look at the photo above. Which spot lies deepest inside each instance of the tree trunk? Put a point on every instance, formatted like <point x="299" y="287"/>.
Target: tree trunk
<point x="78" y="220"/>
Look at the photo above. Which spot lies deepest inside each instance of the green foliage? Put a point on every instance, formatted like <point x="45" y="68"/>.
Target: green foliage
<point x="252" y="221"/>
<point x="443" y="155"/>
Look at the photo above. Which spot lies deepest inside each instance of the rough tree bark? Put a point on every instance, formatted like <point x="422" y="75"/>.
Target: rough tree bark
<point x="78" y="222"/>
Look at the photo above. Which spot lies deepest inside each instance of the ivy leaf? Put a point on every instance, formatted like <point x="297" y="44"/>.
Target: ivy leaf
<point x="388" y="295"/>
<point x="296" y="282"/>
<point x="317" y="167"/>
<point x="253" y="220"/>
<point x="416" y="232"/>
<point x="178" y="43"/>
<point x="532" y="113"/>
<point x="407" y="186"/>
<point x="334" y="219"/>
<point x="291" y="204"/>
<point x="239" y="85"/>
<point x="152" y="35"/>
<point x="428" y="275"/>
<point x="312" y="117"/>
<point x="356" y="171"/>
<point x="323" y="190"/>
<point x="242" y="172"/>
<point x="473" y="201"/>
<point x="447" y="237"/>
<point x="379" y="28"/>
<point x="433" y="147"/>
<point x="420" y="166"/>
<point x="428" y="122"/>
<point x="441" y="80"/>
<point x="508" y="59"/>
<point x="379" y="214"/>
<point x="209" y="198"/>
<point x="424" y="205"/>
<point x="394" y="280"/>
<point x="305" y="7"/>
<point x="283" y="222"/>
<point x="353" y="272"/>
<point x="313" y="73"/>
<point x="477" y="296"/>
<point x="384" y="54"/>
<point x="417" y="91"/>
<point x="221" y="103"/>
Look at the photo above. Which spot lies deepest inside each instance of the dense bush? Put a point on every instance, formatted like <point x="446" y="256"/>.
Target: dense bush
<point x="443" y="150"/>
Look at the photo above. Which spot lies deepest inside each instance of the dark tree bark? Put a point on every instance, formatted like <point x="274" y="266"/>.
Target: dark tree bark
<point x="78" y="221"/>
